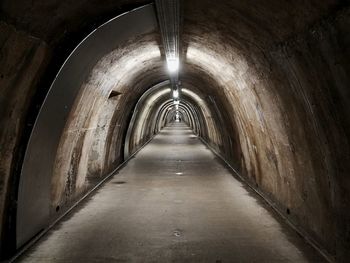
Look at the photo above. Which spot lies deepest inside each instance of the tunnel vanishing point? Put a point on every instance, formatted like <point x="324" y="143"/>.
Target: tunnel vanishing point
<point x="265" y="84"/>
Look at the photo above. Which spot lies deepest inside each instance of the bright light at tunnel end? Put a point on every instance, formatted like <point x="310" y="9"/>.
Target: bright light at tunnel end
<point x="173" y="65"/>
<point x="175" y="94"/>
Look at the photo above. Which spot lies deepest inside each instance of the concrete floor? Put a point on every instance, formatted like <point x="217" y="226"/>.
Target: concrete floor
<point x="173" y="202"/>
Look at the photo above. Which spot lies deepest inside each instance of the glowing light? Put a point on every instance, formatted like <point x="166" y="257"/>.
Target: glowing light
<point x="175" y="94"/>
<point x="177" y="116"/>
<point x="173" y="65"/>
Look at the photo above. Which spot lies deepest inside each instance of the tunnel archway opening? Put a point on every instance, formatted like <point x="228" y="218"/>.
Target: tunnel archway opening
<point x="260" y="99"/>
<point x="86" y="113"/>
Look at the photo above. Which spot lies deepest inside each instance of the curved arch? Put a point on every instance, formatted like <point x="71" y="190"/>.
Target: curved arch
<point x="150" y="104"/>
<point x="33" y="214"/>
<point x="156" y="102"/>
<point x="152" y="91"/>
<point x="163" y="113"/>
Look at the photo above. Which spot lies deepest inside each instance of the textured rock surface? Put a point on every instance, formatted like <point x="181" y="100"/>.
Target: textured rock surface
<point x="22" y="61"/>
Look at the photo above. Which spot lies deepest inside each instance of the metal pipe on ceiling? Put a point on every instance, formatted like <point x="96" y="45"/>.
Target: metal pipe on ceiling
<point x="168" y="12"/>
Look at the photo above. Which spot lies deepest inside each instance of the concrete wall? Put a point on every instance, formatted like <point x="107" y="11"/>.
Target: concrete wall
<point x="23" y="59"/>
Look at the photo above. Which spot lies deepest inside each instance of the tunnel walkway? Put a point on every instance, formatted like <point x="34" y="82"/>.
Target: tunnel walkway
<point x="174" y="202"/>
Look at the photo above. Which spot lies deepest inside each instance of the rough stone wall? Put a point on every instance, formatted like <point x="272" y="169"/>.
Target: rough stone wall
<point x="287" y="102"/>
<point x="23" y="59"/>
<point x="97" y="154"/>
<point x="53" y="20"/>
<point x="98" y="120"/>
<point x="313" y="84"/>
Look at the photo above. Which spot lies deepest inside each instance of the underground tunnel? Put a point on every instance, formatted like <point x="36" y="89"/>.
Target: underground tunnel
<point x="257" y="91"/>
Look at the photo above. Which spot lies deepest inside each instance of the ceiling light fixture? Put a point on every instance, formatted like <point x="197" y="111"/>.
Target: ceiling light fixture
<point x="173" y="65"/>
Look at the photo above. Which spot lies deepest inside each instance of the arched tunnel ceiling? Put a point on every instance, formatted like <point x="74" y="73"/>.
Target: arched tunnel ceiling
<point x="265" y="21"/>
<point x="260" y="78"/>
